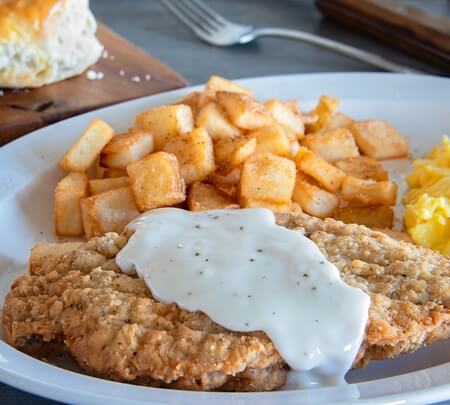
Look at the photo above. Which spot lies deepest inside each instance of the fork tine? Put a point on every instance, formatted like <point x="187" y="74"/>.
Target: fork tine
<point x="211" y="13"/>
<point x="200" y="15"/>
<point x="186" y="17"/>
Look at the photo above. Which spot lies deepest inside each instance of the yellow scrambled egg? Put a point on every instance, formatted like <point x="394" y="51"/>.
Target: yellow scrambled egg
<point x="427" y="203"/>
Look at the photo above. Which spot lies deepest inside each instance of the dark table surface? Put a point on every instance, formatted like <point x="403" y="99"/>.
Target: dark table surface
<point x="150" y="26"/>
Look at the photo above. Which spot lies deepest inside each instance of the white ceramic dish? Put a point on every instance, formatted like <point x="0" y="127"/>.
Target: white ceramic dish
<point x="417" y="105"/>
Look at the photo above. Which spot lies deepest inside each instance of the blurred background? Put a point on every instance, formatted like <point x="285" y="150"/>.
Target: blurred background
<point x="152" y="27"/>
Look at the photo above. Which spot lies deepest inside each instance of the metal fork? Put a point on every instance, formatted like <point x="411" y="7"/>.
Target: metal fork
<point x="217" y="30"/>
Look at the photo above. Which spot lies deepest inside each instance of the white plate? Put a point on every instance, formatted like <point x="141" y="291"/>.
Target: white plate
<point x="418" y="106"/>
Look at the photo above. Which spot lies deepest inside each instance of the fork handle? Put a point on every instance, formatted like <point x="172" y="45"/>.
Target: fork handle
<point x="338" y="47"/>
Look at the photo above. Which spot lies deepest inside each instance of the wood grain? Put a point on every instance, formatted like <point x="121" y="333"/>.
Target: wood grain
<point x="416" y="31"/>
<point x="22" y="111"/>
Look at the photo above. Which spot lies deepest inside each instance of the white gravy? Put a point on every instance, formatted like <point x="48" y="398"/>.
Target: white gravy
<point x="249" y="274"/>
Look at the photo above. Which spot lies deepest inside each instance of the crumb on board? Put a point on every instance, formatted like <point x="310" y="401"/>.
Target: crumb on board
<point x="93" y="75"/>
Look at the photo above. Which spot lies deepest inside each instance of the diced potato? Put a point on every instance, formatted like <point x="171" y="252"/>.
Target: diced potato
<point x="98" y="186"/>
<point x="195" y="154"/>
<point x="296" y="208"/>
<point x="166" y="122"/>
<point x="44" y="254"/>
<point x="108" y="212"/>
<point x="379" y="140"/>
<point x="192" y="100"/>
<point x="363" y="167"/>
<point x="226" y="177"/>
<point x="293" y="106"/>
<point x="87" y="148"/>
<point x="337" y="120"/>
<point x="328" y="176"/>
<point x="324" y="111"/>
<point x="368" y="192"/>
<point x="99" y="170"/>
<point x="397" y="235"/>
<point x="68" y="193"/>
<point x="232" y="152"/>
<point x="332" y="145"/>
<point x="213" y="119"/>
<point x="217" y="83"/>
<point x="375" y="216"/>
<point x="113" y="173"/>
<point x="313" y="199"/>
<point x="202" y="197"/>
<point x="243" y="111"/>
<point x="156" y="181"/>
<point x="294" y="147"/>
<point x="229" y="190"/>
<point x="271" y="139"/>
<point x="285" y="115"/>
<point x="126" y="148"/>
<point x="279" y="208"/>
<point x="267" y="177"/>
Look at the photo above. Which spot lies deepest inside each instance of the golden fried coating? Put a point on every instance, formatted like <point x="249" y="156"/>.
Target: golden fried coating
<point x="113" y="327"/>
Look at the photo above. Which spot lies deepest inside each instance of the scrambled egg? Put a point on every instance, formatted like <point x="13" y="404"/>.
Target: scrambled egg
<point x="427" y="203"/>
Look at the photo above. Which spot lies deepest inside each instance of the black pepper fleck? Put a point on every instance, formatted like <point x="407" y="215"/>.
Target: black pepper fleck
<point x="206" y="260"/>
<point x="252" y="260"/>
<point x="305" y="275"/>
<point x="216" y="217"/>
<point x="241" y="228"/>
<point x="246" y="323"/>
<point x="249" y="296"/>
<point x="197" y="254"/>
<point x="322" y="262"/>
<point x="198" y="226"/>
<point x="298" y="282"/>
<point x="189" y="293"/>
<point x="259" y="250"/>
<point x="314" y="288"/>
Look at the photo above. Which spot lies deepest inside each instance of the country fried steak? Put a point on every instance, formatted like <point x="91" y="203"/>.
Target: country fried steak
<point x="75" y="296"/>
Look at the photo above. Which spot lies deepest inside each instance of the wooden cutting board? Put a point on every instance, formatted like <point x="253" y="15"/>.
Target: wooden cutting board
<point x="411" y="29"/>
<point x="128" y="73"/>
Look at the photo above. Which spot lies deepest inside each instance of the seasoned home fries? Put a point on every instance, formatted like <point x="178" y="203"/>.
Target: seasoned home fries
<point x="223" y="148"/>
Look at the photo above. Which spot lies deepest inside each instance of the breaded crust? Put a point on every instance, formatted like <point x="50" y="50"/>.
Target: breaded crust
<point x="115" y="329"/>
